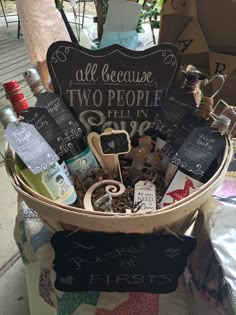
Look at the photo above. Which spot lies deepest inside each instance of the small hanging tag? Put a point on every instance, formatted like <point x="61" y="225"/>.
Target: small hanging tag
<point x="30" y="146"/>
<point x="145" y="192"/>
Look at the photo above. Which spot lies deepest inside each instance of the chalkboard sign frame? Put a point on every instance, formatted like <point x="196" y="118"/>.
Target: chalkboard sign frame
<point x="119" y="262"/>
<point x="103" y="93"/>
<point x="108" y="141"/>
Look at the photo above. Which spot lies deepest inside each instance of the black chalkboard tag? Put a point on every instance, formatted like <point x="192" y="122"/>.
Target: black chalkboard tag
<point x="60" y="113"/>
<point x="113" y="87"/>
<point x="47" y="127"/>
<point x="115" y="142"/>
<point x="183" y="131"/>
<point x="201" y="148"/>
<point x="179" y="106"/>
<point x="119" y="262"/>
<point x="30" y="146"/>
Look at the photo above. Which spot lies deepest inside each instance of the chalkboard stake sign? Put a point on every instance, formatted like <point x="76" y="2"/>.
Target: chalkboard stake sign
<point x="106" y="161"/>
<point x="115" y="142"/>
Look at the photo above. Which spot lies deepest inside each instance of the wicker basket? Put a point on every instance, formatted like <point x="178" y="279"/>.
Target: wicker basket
<point x="176" y="218"/>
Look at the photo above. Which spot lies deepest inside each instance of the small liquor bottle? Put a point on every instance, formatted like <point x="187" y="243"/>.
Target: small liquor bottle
<point x="52" y="183"/>
<point x="15" y="95"/>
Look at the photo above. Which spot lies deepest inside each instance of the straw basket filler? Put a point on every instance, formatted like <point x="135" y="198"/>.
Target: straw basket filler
<point x="177" y="217"/>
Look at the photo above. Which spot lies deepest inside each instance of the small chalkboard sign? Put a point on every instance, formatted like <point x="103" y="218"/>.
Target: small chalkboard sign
<point x="119" y="262"/>
<point x="115" y="142"/>
<point x="113" y="87"/>
<point x="200" y="149"/>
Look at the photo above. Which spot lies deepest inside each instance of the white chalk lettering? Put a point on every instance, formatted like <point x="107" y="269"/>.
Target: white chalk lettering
<point x="89" y="74"/>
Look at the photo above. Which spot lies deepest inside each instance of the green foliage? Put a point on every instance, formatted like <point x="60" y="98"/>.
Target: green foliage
<point x="150" y="14"/>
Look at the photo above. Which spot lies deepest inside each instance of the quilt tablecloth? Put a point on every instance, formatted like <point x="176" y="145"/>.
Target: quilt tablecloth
<point x="209" y="285"/>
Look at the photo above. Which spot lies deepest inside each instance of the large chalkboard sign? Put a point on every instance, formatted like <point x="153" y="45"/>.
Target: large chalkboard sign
<point x="119" y="262"/>
<point x="113" y="87"/>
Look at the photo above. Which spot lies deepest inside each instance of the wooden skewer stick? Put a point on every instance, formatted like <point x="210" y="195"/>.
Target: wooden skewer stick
<point x="108" y="162"/>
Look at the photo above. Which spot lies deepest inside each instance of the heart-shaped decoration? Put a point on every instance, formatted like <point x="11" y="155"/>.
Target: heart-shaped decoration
<point x="172" y="252"/>
<point x="111" y="144"/>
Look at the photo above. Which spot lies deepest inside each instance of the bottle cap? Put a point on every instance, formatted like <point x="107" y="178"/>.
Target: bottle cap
<point x="33" y="80"/>
<point x="15" y="95"/>
<point x="193" y="69"/>
<point x="7" y="116"/>
<point x="221" y="123"/>
<point x="191" y="80"/>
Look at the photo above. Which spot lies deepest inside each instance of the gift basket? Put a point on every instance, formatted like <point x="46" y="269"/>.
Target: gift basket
<point x="137" y="93"/>
<point x="176" y="218"/>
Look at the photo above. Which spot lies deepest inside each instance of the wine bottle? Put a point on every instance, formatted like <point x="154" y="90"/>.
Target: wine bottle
<point x="196" y="161"/>
<point x="54" y="104"/>
<point x="179" y="105"/>
<point x="52" y="183"/>
<point x="80" y="157"/>
<point x="173" y="113"/>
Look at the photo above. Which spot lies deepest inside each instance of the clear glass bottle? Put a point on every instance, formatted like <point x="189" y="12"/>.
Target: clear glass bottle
<point x="52" y="183"/>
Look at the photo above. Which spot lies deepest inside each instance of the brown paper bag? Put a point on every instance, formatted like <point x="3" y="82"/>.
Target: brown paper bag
<point x="216" y="19"/>
<point x="218" y="23"/>
<point x="193" y="45"/>
<point x="179" y="7"/>
<point x="192" y="40"/>
<point x="171" y="27"/>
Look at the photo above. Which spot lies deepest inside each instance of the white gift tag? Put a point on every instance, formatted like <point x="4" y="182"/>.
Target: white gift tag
<point x="30" y="146"/>
<point x="145" y="192"/>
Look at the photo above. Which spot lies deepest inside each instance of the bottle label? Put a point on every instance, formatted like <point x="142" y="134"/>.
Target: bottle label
<point x="58" y="185"/>
<point x="48" y="128"/>
<point x="65" y="168"/>
<point x="199" y="151"/>
<point x="82" y="163"/>
<point x="59" y="111"/>
<point x="180" y="187"/>
<point x="30" y="146"/>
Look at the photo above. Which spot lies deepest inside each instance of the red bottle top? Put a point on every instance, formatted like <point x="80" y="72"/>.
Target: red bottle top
<point x="15" y="95"/>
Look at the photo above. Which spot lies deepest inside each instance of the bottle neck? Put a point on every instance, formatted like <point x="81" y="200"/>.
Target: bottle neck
<point x="33" y="80"/>
<point x="191" y="81"/>
<point x="15" y="95"/>
<point x="37" y="88"/>
<point x="7" y="116"/>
